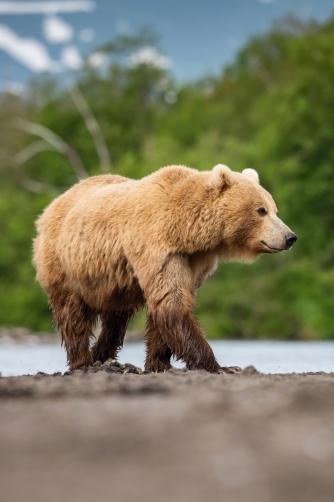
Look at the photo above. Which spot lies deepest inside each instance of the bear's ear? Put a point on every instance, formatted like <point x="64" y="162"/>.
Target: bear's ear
<point x="252" y="175"/>
<point x="220" y="177"/>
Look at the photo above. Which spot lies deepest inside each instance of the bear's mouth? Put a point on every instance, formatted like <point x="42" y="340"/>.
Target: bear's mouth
<point x="275" y="250"/>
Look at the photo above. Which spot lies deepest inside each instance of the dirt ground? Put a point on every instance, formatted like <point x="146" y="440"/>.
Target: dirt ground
<point x="179" y="436"/>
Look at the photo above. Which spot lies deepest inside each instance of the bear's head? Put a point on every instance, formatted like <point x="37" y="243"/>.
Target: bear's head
<point x="248" y="215"/>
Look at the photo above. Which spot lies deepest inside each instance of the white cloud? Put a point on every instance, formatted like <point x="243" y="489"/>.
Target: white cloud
<point x="27" y="51"/>
<point x="266" y="1"/>
<point x="150" y="56"/>
<point x="98" y="59"/>
<point x="70" y="58"/>
<point x="46" y="7"/>
<point x="56" y="30"/>
<point x="86" y="35"/>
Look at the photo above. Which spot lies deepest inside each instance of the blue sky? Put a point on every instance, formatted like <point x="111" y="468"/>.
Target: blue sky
<point x="199" y="36"/>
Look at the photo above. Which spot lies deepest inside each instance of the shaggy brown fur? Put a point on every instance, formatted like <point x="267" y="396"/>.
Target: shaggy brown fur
<point x="110" y="245"/>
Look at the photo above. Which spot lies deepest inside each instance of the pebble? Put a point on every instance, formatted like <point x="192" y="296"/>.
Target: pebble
<point x="109" y="366"/>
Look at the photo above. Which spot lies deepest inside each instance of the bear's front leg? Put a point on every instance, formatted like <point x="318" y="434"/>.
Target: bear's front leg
<point x="158" y="353"/>
<point x="171" y="306"/>
<point x="173" y="317"/>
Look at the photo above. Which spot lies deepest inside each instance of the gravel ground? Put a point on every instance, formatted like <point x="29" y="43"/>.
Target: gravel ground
<point x="183" y="436"/>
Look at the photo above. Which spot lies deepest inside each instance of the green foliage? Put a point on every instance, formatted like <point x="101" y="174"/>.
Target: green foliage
<point x="22" y="301"/>
<point x="272" y="109"/>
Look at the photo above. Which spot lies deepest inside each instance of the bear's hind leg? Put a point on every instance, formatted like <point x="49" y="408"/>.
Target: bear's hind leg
<point x="75" y="320"/>
<point x="158" y="353"/>
<point x="110" y="341"/>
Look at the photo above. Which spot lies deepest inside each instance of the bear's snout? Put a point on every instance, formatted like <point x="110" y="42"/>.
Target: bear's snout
<point x="290" y="239"/>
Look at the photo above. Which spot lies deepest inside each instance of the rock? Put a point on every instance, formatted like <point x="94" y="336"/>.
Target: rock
<point x="112" y="369"/>
<point x="250" y="370"/>
<point x="41" y="374"/>
<point x="109" y="366"/>
<point x="113" y="362"/>
<point x="68" y="373"/>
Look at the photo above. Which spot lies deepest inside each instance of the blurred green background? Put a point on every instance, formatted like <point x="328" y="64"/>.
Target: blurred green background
<point x="271" y="109"/>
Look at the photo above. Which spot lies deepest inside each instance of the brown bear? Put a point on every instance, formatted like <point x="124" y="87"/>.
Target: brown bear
<point x="111" y="245"/>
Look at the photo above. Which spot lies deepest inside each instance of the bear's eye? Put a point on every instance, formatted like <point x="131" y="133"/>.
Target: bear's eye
<point x="262" y="211"/>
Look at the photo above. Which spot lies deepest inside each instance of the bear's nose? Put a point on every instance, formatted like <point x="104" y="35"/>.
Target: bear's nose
<point x="290" y="240"/>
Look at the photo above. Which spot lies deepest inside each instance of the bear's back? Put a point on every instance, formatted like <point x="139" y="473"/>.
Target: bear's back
<point x="59" y="208"/>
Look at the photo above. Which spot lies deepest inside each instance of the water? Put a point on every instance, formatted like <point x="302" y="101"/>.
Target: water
<point x="266" y="356"/>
